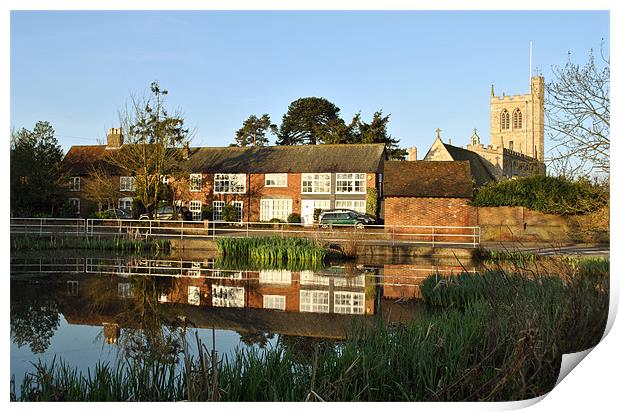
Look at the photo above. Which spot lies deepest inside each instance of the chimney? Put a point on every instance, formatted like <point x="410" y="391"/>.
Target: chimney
<point x="412" y="154"/>
<point x="115" y="138"/>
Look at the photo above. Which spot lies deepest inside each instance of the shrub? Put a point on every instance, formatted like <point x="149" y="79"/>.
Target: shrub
<point x="371" y="201"/>
<point x="294" y="218"/>
<point x="276" y="220"/>
<point x="317" y="213"/>
<point x="547" y="194"/>
<point x="230" y="213"/>
<point x="104" y="214"/>
<point x="207" y="212"/>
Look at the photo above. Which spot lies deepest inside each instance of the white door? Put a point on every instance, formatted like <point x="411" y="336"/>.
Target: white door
<point x="307" y="209"/>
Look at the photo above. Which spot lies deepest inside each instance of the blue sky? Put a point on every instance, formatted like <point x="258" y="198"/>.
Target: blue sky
<point x="427" y="69"/>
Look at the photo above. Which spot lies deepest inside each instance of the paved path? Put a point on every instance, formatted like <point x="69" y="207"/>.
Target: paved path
<point x="545" y="249"/>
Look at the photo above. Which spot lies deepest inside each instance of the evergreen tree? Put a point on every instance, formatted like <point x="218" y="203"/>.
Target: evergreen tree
<point x="310" y="120"/>
<point x="253" y="131"/>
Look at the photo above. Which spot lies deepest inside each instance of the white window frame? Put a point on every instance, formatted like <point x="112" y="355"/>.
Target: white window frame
<point x="275" y="277"/>
<point x="74" y="184"/>
<point x="227" y="296"/>
<point x="275" y="208"/>
<point x="308" y="277"/>
<point x="75" y="201"/>
<point x="344" y="302"/>
<point x="127" y="184"/>
<point x="238" y="204"/>
<point x="195" y="206"/>
<point x="124" y="290"/>
<point x="123" y="201"/>
<point x="316" y="183"/>
<point x="218" y="205"/>
<point x="193" y="295"/>
<point x="195" y="182"/>
<point x="314" y="301"/>
<point x="229" y="183"/>
<point x="277" y="302"/>
<point x="351" y="179"/>
<point x="276" y="180"/>
<point x="357" y="205"/>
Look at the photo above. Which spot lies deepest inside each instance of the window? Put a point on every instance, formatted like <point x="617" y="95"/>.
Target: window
<point x="274" y="302"/>
<point x="314" y="301"/>
<point x="349" y="281"/>
<point x="350" y="182"/>
<point x="74" y="184"/>
<point x="237" y="204"/>
<point x="349" y="302"/>
<point x="308" y="277"/>
<point x="195" y="206"/>
<point x="24" y="180"/>
<point x="193" y="295"/>
<point x="195" y="269"/>
<point x="125" y="203"/>
<point x="315" y="183"/>
<point x="504" y="120"/>
<point x="165" y="179"/>
<point x="517" y="119"/>
<point x="280" y="277"/>
<point x="275" y="180"/>
<point x="195" y="182"/>
<point x="227" y="296"/>
<point x="218" y="205"/>
<point x="275" y="208"/>
<point x="75" y="203"/>
<point x="73" y="287"/>
<point x="229" y="183"/>
<point x="357" y="205"/>
<point x="124" y="290"/>
<point x="128" y="184"/>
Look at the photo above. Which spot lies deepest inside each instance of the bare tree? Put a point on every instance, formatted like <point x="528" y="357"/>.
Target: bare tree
<point x="578" y="117"/>
<point x="100" y="188"/>
<point x="153" y="138"/>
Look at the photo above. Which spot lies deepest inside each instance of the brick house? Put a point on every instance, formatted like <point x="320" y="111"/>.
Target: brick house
<point x="261" y="182"/>
<point x="428" y="193"/>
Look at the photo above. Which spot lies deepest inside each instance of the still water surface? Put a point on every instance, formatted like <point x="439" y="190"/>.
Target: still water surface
<point x="106" y="308"/>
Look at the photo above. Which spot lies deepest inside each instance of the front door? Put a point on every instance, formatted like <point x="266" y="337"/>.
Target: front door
<point x="308" y="207"/>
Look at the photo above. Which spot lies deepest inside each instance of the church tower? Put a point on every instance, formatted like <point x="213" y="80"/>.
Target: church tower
<point x="517" y="121"/>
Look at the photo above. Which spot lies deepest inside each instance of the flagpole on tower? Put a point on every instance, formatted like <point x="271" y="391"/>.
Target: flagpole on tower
<point x="530" y="79"/>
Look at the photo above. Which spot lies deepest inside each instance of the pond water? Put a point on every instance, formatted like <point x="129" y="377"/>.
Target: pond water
<point x="85" y="307"/>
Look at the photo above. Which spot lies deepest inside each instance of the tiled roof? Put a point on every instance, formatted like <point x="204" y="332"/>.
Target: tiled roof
<point x="287" y="159"/>
<point x="479" y="171"/>
<point x="268" y="159"/>
<point x="427" y="179"/>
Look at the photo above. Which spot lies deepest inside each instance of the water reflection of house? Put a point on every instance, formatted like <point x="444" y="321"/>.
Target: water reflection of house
<point x="403" y="281"/>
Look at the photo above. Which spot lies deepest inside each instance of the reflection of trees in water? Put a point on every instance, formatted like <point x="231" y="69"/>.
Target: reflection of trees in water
<point x="259" y="338"/>
<point x="150" y="335"/>
<point x="34" y="317"/>
<point x="302" y="348"/>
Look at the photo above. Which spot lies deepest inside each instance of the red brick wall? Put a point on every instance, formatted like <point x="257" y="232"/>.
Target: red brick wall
<point x="427" y="211"/>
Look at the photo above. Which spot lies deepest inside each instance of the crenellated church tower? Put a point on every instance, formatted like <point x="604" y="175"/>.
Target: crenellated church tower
<point x="518" y="121"/>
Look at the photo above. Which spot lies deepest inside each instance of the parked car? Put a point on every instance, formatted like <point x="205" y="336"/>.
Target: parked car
<point x="167" y="213"/>
<point x="332" y="217"/>
<point x="118" y="213"/>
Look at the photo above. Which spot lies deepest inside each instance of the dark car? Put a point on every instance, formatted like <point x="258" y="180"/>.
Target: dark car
<point x="333" y="217"/>
<point x="167" y="213"/>
<point x="118" y="213"/>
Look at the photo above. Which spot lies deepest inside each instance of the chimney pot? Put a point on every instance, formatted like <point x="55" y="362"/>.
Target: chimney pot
<point x="412" y="154"/>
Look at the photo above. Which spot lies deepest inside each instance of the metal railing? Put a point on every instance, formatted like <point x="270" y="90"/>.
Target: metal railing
<point x="463" y="236"/>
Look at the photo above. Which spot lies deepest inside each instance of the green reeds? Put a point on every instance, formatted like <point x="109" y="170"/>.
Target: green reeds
<point x="75" y="242"/>
<point x="275" y="250"/>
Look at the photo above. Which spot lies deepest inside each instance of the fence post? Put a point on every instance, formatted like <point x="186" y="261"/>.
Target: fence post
<point x="282" y="230"/>
<point x="182" y="229"/>
<point x="41" y="226"/>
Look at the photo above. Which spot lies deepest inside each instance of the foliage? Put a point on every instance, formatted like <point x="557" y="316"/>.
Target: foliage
<point x="207" y="212"/>
<point x="547" y="194"/>
<point x="309" y="120"/>
<point x="106" y="214"/>
<point x="579" y="116"/>
<point x="230" y="213"/>
<point x="35" y="316"/>
<point x="293" y="218"/>
<point x="275" y="220"/>
<point x="275" y="249"/>
<point x="316" y="214"/>
<point x="153" y="138"/>
<point x="75" y="242"/>
<point x="100" y="188"/>
<point x="253" y="131"/>
<point x="37" y="179"/>
<point x="372" y="199"/>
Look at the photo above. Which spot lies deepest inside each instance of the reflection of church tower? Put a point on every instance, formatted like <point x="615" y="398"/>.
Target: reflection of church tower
<point x="111" y="332"/>
<point x="517" y="122"/>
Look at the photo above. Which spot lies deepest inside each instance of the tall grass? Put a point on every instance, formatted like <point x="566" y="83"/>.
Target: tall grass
<point x="275" y="250"/>
<point x="116" y="244"/>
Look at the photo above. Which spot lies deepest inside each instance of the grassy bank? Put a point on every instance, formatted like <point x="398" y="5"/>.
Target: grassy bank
<point x="74" y="242"/>
<point x="498" y="336"/>
<point x="276" y="250"/>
